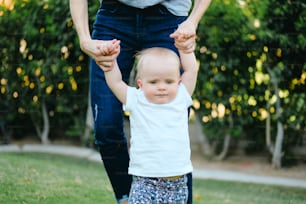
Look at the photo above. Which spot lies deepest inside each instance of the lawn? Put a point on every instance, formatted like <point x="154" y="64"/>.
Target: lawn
<point x="32" y="178"/>
<point x="52" y="179"/>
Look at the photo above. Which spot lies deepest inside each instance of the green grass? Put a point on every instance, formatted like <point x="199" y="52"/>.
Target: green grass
<point x="222" y="192"/>
<point x="52" y="179"/>
<point x="32" y="178"/>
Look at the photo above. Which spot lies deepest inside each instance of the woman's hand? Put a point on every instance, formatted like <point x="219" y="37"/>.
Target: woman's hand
<point x="104" y="52"/>
<point x="107" y="54"/>
<point x="185" y="36"/>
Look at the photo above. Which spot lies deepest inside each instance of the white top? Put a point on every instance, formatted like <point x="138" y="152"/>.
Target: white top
<point x="176" y="7"/>
<point x="160" y="144"/>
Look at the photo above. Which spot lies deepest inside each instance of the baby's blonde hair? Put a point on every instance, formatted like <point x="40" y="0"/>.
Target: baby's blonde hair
<point x="156" y="53"/>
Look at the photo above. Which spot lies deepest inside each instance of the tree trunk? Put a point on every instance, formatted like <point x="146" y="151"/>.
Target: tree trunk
<point x="227" y="141"/>
<point x="200" y="137"/>
<point x="277" y="154"/>
<point x="43" y="134"/>
<point x="46" y="124"/>
<point x="268" y="131"/>
<point x="89" y="124"/>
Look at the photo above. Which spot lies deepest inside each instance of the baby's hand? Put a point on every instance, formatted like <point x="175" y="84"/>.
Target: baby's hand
<point x="109" y="47"/>
<point x="109" y="51"/>
<point x="184" y="37"/>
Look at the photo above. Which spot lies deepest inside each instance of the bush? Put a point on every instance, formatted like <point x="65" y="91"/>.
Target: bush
<point x="41" y="64"/>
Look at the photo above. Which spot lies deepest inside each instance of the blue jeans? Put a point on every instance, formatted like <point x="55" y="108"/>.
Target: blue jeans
<point x="137" y="29"/>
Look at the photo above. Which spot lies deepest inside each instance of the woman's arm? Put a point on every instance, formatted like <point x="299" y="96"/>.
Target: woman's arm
<point x="198" y="10"/>
<point x="186" y="32"/>
<point x="79" y="14"/>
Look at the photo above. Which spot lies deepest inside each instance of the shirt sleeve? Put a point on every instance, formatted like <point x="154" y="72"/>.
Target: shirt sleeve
<point x="185" y="95"/>
<point x="131" y="98"/>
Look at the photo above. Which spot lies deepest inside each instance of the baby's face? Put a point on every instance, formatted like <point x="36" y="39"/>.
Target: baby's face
<point x="159" y="81"/>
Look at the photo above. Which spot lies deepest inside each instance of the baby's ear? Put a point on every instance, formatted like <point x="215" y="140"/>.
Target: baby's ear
<point x="139" y="83"/>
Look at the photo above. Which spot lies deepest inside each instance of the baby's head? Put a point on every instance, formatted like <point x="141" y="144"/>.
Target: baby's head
<point x="159" y="58"/>
<point x="158" y="74"/>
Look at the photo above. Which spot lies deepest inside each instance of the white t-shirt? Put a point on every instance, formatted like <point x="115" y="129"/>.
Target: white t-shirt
<point x="160" y="145"/>
<point x="176" y="7"/>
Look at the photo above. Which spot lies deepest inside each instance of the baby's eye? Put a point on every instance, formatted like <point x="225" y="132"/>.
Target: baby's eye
<point x="153" y="81"/>
<point x="169" y="81"/>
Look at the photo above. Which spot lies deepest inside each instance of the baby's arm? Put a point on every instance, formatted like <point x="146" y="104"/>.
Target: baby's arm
<point x="190" y="67"/>
<point x="112" y="72"/>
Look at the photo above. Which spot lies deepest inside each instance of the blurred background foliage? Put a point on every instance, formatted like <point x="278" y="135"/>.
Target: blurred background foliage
<point x="251" y="83"/>
<point x="42" y="69"/>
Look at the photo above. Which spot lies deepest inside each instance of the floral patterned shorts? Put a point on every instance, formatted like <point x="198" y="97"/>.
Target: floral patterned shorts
<point x="158" y="190"/>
